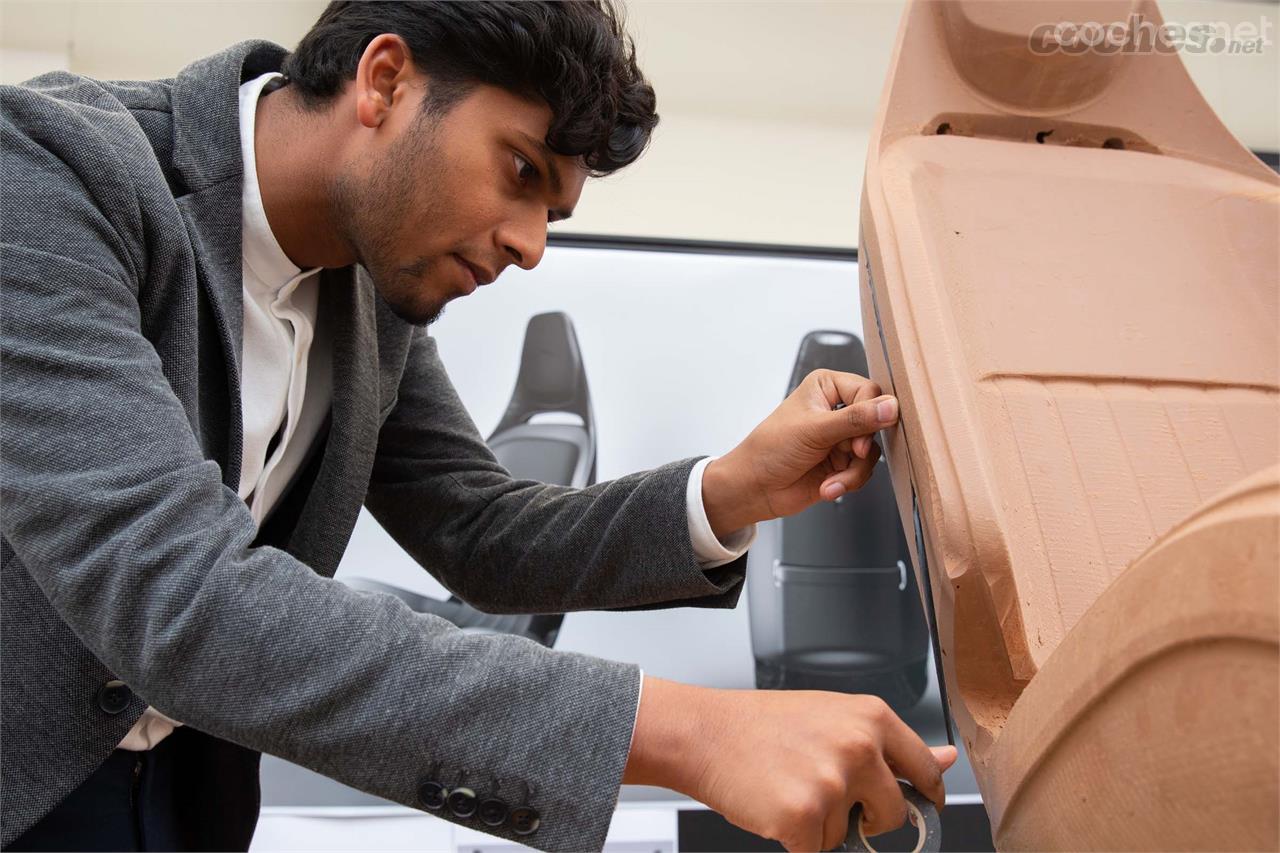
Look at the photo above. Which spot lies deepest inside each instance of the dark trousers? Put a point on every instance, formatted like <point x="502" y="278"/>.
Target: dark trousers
<point x="190" y="792"/>
<point x="126" y="804"/>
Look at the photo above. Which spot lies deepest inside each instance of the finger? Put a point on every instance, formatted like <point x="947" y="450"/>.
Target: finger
<point x="836" y="386"/>
<point x="914" y="761"/>
<point x="851" y="478"/>
<point x="808" y="839"/>
<point x="862" y="444"/>
<point x="838" y="460"/>
<point x="836" y="828"/>
<point x="861" y="418"/>
<point x="883" y="806"/>
<point x="847" y="388"/>
<point x="946" y="755"/>
<point x="865" y="390"/>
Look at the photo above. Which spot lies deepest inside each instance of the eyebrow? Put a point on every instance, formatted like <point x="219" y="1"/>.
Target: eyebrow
<point x="553" y="172"/>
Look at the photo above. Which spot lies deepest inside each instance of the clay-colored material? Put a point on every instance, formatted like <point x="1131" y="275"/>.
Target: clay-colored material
<point x="1075" y="268"/>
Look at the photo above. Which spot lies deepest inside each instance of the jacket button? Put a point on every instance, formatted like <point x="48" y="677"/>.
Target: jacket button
<point x="494" y="812"/>
<point x="114" y="696"/>
<point x="432" y="795"/>
<point x="462" y="802"/>
<point x="525" y="820"/>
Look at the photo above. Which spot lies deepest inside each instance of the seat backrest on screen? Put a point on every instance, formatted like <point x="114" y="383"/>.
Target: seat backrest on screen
<point x="833" y="605"/>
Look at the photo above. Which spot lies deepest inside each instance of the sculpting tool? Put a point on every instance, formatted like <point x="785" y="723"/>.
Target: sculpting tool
<point x="921" y="813"/>
<point x="922" y="560"/>
<point x="921" y="810"/>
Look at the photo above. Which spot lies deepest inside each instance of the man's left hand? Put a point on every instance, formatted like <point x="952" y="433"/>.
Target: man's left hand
<point x="805" y="451"/>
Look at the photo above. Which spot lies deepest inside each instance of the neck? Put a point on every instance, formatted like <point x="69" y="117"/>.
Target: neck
<point x="294" y="151"/>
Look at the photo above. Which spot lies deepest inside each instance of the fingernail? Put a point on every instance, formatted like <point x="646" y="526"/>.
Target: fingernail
<point x="836" y="491"/>
<point x="887" y="409"/>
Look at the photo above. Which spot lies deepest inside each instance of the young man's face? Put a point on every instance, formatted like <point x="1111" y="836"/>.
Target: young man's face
<point x="435" y="206"/>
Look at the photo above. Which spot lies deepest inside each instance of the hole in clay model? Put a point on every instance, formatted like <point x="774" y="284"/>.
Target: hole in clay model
<point x="1042" y="135"/>
<point x="1114" y="142"/>
<point x="944" y="128"/>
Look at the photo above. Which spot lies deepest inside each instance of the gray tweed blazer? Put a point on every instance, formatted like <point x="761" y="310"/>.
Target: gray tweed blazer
<point x="126" y="554"/>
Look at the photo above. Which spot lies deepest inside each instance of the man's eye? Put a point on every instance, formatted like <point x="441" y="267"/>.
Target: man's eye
<point x="525" y="170"/>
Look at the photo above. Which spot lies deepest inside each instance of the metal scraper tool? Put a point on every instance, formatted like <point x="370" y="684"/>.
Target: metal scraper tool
<point x="922" y="560"/>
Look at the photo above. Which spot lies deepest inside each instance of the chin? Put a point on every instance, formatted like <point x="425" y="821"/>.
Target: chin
<point x="409" y="303"/>
<point x="418" y="313"/>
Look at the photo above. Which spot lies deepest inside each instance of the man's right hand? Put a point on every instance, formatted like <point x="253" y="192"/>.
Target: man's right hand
<point x="787" y="765"/>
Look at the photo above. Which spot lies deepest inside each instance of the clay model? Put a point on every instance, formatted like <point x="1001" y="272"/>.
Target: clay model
<point x="1069" y="275"/>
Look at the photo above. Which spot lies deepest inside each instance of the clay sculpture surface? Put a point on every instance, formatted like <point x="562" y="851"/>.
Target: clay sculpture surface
<point x="1069" y="279"/>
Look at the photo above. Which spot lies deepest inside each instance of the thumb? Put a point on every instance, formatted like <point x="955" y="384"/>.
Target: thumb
<point x="946" y="755"/>
<point x="862" y="418"/>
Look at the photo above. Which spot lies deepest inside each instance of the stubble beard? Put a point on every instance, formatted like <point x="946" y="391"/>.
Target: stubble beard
<point x="372" y="216"/>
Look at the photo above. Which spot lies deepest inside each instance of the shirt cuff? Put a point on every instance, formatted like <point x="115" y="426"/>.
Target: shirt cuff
<point x="711" y="551"/>
<point x="639" y="694"/>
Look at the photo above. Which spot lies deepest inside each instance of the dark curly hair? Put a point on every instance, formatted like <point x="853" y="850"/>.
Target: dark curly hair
<point x="572" y="54"/>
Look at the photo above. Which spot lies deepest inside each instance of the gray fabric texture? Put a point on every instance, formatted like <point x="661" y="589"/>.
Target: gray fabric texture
<point x="127" y="554"/>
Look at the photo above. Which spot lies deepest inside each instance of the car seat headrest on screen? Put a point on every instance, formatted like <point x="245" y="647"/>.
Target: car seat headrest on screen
<point x="552" y="377"/>
<point x="840" y="351"/>
<point x="552" y="380"/>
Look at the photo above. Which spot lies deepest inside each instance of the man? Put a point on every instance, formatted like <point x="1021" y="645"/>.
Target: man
<point x="215" y="293"/>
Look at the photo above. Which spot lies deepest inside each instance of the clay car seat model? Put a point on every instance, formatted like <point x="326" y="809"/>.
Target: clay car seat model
<point x="552" y="382"/>
<point x="832" y="603"/>
<point x="1069" y="279"/>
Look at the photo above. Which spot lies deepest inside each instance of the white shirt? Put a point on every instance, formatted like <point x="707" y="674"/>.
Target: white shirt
<point x="282" y="362"/>
<point x="285" y="385"/>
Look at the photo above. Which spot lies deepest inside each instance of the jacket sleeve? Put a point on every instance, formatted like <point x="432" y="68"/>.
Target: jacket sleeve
<point x="130" y="533"/>
<point x="506" y="545"/>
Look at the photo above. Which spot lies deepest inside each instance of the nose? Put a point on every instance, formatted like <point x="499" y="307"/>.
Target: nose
<point x="524" y="240"/>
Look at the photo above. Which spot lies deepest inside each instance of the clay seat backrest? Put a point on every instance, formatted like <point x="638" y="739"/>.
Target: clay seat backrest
<point x="1077" y="290"/>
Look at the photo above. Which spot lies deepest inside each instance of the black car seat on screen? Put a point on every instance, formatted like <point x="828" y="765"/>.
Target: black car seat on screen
<point x="561" y="449"/>
<point x="832" y="603"/>
<point x="552" y="382"/>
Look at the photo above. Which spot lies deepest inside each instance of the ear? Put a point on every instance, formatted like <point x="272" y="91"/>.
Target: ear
<point x="382" y="79"/>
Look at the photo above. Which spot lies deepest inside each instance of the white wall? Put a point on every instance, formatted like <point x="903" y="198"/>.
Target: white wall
<point x="765" y="105"/>
<point x="735" y="178"/>
<point x="18" y="64"/>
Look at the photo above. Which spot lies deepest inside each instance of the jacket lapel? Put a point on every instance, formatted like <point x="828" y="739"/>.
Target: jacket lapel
<point x="334" y="500"/>
<point x="206" y="155"/>
<point x="212" y="217"/>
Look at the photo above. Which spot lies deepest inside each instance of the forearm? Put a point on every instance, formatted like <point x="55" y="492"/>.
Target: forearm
<point x="668" y="737"/>
<point x="507" y="545"/>
<point x="510" y="545"/>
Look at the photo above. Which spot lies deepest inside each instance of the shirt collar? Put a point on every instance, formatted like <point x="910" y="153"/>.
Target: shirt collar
<point x="270" y="265"/>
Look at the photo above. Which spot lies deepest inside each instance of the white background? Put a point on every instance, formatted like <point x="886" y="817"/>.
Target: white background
<point x="766" y="105"/>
